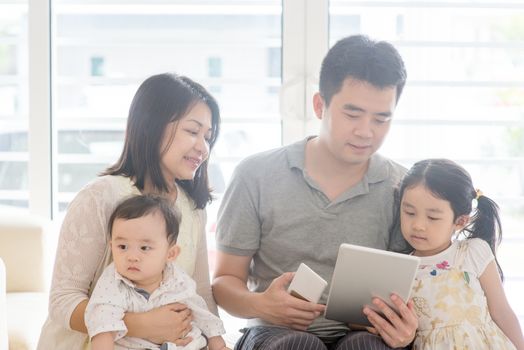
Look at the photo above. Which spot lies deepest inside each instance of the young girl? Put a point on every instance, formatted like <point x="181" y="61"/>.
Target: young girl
<point x="458" y="293"/>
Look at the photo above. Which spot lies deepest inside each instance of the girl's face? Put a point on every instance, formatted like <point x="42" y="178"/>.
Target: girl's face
<point x="427" y="221"/>
<point x="185" y="144"/>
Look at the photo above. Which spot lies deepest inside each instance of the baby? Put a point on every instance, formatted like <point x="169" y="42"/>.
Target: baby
<point x="143" y="275"/>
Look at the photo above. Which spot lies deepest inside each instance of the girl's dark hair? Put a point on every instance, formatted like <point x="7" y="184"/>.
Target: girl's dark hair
<point x="142" y="205"/>
<point x="451" y="182"/>
<point x="160" y="100"/>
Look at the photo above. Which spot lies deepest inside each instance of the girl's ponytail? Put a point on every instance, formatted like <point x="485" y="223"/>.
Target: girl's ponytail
<point x="485" y="224"/>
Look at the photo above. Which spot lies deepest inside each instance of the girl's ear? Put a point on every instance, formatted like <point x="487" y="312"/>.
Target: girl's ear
<point x="461" y="222"/>
<point x="173" y="252"/>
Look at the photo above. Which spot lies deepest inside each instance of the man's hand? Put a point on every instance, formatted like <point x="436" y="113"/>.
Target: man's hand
<point x="396" y="330"/>
<point x="275" y="305"/>
<point x="278" y="307"/>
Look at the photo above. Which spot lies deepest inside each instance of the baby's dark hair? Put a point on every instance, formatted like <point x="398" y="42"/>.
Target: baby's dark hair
<point x="142" y="205"/>
<point x="451" y="182"/>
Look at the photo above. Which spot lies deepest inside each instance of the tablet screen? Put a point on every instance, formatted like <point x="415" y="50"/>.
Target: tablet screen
<point x="362" y="273"/>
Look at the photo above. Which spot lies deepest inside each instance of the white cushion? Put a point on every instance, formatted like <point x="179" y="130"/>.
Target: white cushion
<point x="26" y="313"/>
<point x="23" y="249"/>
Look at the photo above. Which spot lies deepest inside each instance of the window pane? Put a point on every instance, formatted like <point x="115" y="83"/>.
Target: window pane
<point x="443" y="138"/>
<point x="13" y="103"/>
<point x="464" y="98"/>
<point x="105" y="50"/>
<point x="240" y="140"/>
<point x="423" y="100"/>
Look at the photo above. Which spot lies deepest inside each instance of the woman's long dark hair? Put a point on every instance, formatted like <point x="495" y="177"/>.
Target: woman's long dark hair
<point x="451" y="182"/>
<point x="160" y="100"/>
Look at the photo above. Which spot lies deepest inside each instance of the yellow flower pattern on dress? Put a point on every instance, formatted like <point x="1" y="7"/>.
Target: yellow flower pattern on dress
<point x="447" y="291"/>
<point x="442" y="305"/>
<point x="436" y="322"/>
<point x="417" y="286"/>
<point x="421" y="306"/>
<point x="452" y="310"/>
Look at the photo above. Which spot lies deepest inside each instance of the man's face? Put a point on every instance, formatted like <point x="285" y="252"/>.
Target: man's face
<point x="356" y="121"/>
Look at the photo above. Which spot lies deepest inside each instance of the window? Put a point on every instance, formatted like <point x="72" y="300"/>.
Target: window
<point x="214" y="67"/>
<point x="103" y="52"/>
<point x="13" y="103"/>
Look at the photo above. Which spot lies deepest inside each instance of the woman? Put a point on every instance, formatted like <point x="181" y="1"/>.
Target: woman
<point x="173" y="124"/>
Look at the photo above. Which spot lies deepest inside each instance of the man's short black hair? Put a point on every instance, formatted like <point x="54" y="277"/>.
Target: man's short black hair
<point x="375" y="62"/>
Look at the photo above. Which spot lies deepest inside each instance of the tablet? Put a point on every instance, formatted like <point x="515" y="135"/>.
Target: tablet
<point x="362" y="273"/>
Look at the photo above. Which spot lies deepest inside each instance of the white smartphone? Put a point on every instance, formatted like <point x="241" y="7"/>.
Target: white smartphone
<point x="307" y="284"/>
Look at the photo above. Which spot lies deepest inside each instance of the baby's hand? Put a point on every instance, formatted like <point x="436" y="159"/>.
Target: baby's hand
<point x="217" y="343"/>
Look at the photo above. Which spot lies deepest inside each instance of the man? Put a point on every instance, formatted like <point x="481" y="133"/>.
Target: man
<point x="298" y="203"/>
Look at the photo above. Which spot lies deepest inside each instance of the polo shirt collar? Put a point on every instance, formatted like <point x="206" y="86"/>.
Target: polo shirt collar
<point x="378" y="170"/>
<point x="296" y="153"/>
<point x="378" y="166"/>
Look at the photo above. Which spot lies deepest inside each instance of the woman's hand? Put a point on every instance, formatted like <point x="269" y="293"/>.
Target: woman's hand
<point x="168" y="323"/>
<point x="397" y="330"/>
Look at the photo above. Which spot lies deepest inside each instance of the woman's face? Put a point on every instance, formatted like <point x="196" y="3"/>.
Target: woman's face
<point x="185" y="144"/>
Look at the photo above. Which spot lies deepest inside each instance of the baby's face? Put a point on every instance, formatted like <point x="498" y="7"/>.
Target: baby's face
<point x="141" y="250"/>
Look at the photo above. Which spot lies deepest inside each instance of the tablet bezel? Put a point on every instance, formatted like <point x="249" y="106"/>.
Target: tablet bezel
<point x="362" y="273"/>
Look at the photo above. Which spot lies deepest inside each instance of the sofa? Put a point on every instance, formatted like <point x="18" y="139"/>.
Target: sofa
<point x="27" y="249"/>
<point x="3" y="318"/>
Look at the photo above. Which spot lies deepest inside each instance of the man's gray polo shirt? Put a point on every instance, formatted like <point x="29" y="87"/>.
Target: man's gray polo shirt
<point x="273" y="211"/>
